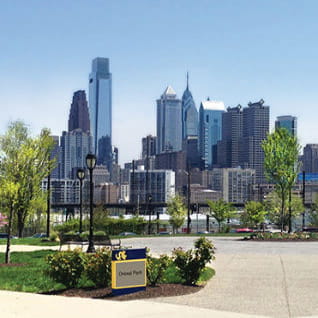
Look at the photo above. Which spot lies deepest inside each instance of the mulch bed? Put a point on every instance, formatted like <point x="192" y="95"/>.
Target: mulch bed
<point x="162" y="290"/>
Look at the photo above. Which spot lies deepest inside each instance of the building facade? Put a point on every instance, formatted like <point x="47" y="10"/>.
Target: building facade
<point x="169" y="123"/>
<point x="161" y="185"/>
<point x="288" y="122"/>
<point x="210" y="130"/>
<point x="310" y="158"/>
<point x="79" y="117"/>
<point x="100" y="110"/>
<point x="255" y="130"/>
<point x="234" y="183"/>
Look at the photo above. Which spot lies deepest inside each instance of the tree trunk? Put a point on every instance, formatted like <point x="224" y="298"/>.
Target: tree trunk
<point x="289" y="212"/>
<point x="219" y="227"/>
<point x="7" y="255"/>
<point x="282" y="211"/>
<point x="20" y="224"/>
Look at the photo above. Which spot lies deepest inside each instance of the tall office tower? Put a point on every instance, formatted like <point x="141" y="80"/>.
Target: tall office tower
<point x="100" y="110"/>
<point x="210" y="130"/>
<point x="255" y="130"/>
<point x="288" y="122"/>
<point x="310" y="158"/>
<point x="148" y="146"/>
<point x="228" y="147"/>
<point x="56" y="156"/>
<point x="79" y="117"/>
<point x="189" y="114"/>
<point x="169" y="124"/>
<point x="75" y="145"/>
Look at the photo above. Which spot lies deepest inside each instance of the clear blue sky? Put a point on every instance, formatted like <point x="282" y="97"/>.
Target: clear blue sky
<point x="235" y="51"/>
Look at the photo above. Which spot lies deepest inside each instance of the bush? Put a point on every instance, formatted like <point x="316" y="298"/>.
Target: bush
<point x="66" y="267"/>
<point x="191" y="263"/>
<point x="98" y="267"/>
<point x="70" y="225"/>
<point x="53" y="237"/>
<point x="156" y="268"/>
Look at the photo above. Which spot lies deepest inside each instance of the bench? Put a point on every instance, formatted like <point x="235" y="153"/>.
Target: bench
<point x="76" y="239"/>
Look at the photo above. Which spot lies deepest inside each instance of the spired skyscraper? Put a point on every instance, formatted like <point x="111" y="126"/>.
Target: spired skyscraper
<point x="100" y="110"/>
<point x="169" y="124"/>
<point x="189" y="114"/>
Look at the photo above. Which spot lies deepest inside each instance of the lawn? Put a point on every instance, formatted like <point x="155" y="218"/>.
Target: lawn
<point x="31" y="276"/>
<point x="29" y="241"/>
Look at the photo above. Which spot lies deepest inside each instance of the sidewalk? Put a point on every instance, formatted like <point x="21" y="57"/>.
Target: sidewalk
<point x="25" y="305"/>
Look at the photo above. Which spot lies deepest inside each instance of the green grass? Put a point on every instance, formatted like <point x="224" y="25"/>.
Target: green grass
<point x="29" y="241"/>
<point x="32" y="278"/>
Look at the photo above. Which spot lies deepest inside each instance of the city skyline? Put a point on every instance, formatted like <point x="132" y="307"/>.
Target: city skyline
<point x="234" y="51"/>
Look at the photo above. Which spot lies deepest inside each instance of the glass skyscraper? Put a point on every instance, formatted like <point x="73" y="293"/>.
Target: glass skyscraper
<point x="288" y="122"/>
<point x="210" y="130"/>
<point x="169" y="125"/>
<point x="100" y="110"/>
<point x="189" y="114"/>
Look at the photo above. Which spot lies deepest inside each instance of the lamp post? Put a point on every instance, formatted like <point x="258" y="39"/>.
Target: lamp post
<point x="149" y="199"/>
<point x="81" y="175"/>
<point x="91" y="163"/>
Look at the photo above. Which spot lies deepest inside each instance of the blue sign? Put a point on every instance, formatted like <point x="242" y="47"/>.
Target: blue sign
<point x="310" y="177"/>
<point x="129" y="272"/>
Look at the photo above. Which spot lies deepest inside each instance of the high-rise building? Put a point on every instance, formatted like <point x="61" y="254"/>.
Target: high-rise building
<point x="189" y="114"/>
<point x="255" y="130"/>
<point x="210" y="130"/>
<point x="75" y="145"/>
<point x="148" y="146"/>
<point x="310" y="158"/>
<point x="79" y="117"/>
<point x="288" y="122"/>
<point x="56" y="156"/>
<point x="169" y="123"/>
<point x="228" y="147"/>
<point x="100" y="110"/>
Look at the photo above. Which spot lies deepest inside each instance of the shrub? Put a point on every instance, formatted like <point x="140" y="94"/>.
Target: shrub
<point x="66" y="267"/>
<point x="98" y="267"/>
<point x="156" y="268"/>
<point x="53" y="237"/>
<point x="191" y="263"/>
<point x="70" y="225"/>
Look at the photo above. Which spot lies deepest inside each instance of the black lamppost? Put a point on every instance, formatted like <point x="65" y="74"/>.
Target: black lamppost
<point x="81" y="175"/>
<point x="91" y="163"/>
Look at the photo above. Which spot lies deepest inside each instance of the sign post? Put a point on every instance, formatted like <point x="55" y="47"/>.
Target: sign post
<point x="129" y="273"/>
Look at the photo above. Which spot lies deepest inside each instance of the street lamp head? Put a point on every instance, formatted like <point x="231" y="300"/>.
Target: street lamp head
<point x="80" y="173"/>
<point x="91" y="161"/>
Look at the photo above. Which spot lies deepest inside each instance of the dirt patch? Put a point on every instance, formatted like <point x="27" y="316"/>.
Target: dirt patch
<point x="162" y="290"/>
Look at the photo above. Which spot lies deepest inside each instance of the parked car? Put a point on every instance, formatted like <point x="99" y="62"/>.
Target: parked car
<point x="5" y="236"/>
<point x="244" y="230"/>
<point x="165" y="233"/>
<point x="39" y="235"/>
<point x="127" y="234"/>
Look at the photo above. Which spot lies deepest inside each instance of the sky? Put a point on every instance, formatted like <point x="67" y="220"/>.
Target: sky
<point x="235" y="51"/>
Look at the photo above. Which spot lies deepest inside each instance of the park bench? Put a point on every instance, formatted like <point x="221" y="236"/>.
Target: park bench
<point x="99" y="240"/>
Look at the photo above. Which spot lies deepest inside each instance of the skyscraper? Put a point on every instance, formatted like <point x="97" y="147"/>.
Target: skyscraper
<point x="255" y="130"/>
<point x="100" y="110"/>
<point x="288" y="122"/>
<point x="79" y="117"/>
<point x="232" y="128"/>
<point x="210" y="130"/>
<point x="310" y="158"/>
<point x="189" y="114"/>
<point x="169" y="124"/>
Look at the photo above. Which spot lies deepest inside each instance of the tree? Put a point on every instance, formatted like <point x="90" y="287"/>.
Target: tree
<point x="221" y="211"/>
<point x="313" y="213"/>
<point x="177" y="212"/>
<point x="254" y="214"/>
<point x="281" y="151"/>
<point x="273" y="206"/>
<point x="25" y="161"/>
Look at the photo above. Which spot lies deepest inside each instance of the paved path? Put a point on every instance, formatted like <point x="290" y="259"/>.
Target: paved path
<point x="272" y="279"/>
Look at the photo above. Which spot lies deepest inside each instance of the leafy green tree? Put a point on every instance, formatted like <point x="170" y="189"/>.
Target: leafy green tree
<point x="313" y="213"/>
<point x="177" y="212"/>
<point x="254" y="214"/>
<point x="273" y="207"/>
<point x="281" y="151"/>
<point x="25" y="161"/>
<point x="221" y="211"/>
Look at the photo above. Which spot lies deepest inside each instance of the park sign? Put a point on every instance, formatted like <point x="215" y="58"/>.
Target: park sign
<point x="128" y="271"/>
